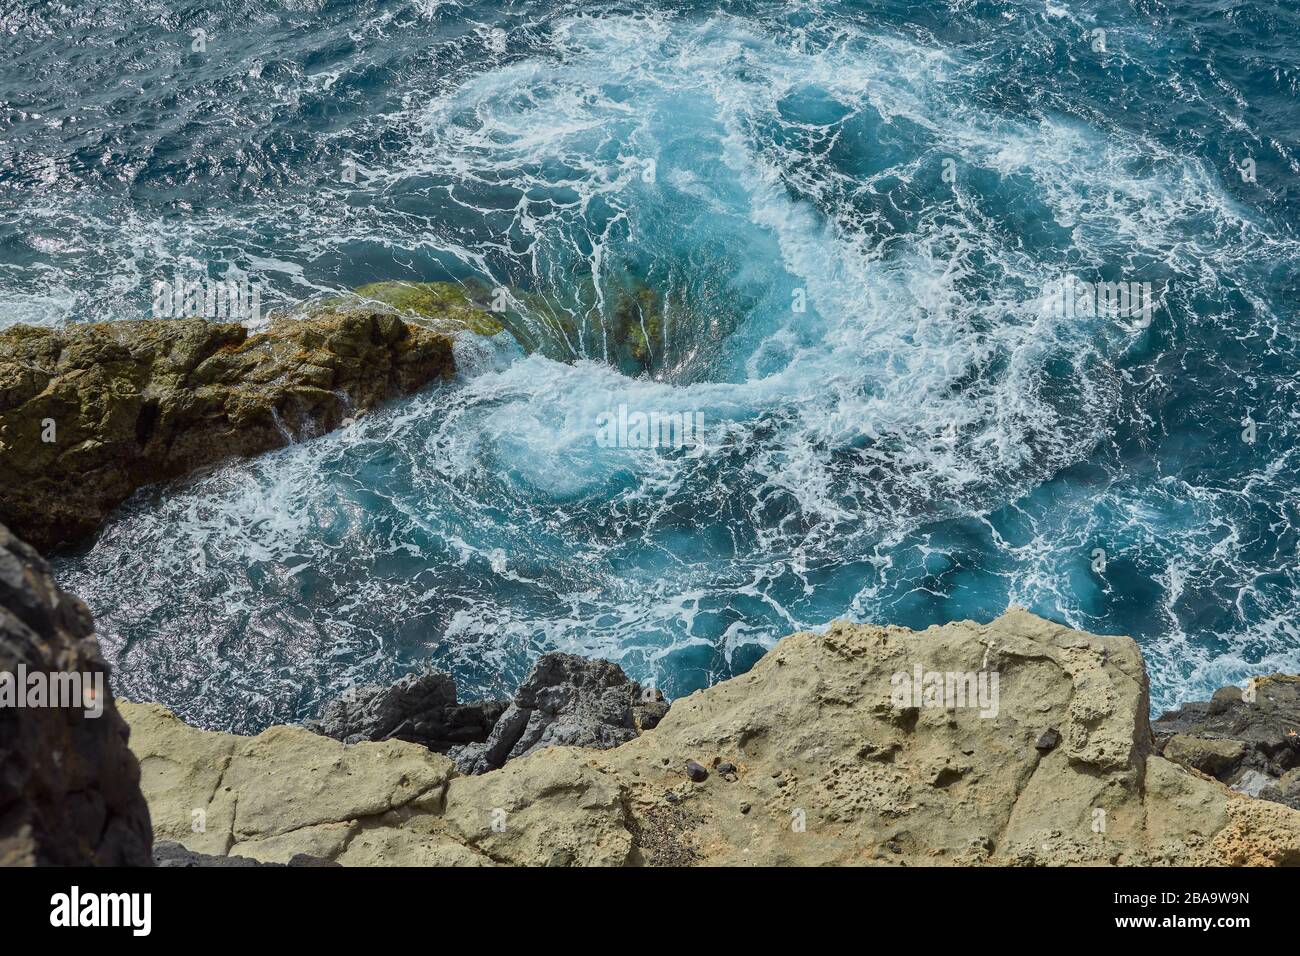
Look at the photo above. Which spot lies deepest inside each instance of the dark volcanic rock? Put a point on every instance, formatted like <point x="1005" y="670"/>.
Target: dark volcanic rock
<point x="649" y="708"/>
<point x="89" y="413"/>
<point x="566" y="701"/>
<point x="1048" y="739"/>
<point x="170" y="853"/>
<point x="69" y="787"/>
<point x="696" y="771"/>
<point x="419" y="708"/>
<point x="1252" y="745"/>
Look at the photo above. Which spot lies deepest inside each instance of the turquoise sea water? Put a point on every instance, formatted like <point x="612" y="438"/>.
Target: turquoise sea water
<point x="925" y="441"/>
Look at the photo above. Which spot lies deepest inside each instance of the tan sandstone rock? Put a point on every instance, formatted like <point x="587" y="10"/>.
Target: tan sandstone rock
<point x="831" y="766"/>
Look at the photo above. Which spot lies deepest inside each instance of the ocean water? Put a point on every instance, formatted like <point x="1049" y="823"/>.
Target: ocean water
<point x="925" y="440"/>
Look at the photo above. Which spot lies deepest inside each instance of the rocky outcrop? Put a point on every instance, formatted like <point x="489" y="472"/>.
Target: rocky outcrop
<point x="1248" y="739"/>
<point x="89" y="413"/>
<point x="286" y="792"/>
<point x="566" y="701"/>
<point x="860" y="745"/>
<point x="69" y="787"/>
<point x="418" y="708"/>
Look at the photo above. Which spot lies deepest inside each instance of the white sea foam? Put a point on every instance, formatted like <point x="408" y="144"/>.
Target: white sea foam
<point x="924" y="381"/>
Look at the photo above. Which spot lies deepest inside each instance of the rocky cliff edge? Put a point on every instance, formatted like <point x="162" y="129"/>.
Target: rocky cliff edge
<point x="854" y="746"/>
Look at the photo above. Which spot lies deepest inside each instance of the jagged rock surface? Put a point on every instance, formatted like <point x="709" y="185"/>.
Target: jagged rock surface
<point x="825" y="769"/>
<point x="69" y="787"/>
<point x="170" y="853"/>
<point x="418" y="708"/>
<point x="1249" y="741"/>
<point x="565" y="701"/>
<point x="89" y="413"/>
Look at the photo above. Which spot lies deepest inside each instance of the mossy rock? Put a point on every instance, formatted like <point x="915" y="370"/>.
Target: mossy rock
<point x="89" y="413"/>
<point x="449" y="305"/>
<point x="627" y="333"/>
<point x="638" y="323"/>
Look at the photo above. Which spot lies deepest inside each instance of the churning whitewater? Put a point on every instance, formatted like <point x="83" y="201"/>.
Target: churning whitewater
<point x="848" y="216"/>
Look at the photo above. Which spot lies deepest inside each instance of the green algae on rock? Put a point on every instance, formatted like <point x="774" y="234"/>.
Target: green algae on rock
<point x="89" y="413"/>
<point x="621" y="323"/>
<point x="450" y="306"/>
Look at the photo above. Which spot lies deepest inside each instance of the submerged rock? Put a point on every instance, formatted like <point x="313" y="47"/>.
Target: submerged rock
<point x="621" y="322"/>
<point x="1249" y="741"/>
<point x="566" y="701"/>
<point x="89" y="413"/>
<point x="419" y="708"/>
<point x="445" y="306"/>
<point x="830" y="777"/>
<point x="69" y="787"/>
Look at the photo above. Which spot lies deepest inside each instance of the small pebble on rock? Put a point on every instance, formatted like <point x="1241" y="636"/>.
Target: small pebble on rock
<point x="1048" y="739"/>
<point x="696" y="771"/>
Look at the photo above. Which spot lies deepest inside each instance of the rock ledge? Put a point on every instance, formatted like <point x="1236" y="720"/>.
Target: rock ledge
<point x="809" y="759"/>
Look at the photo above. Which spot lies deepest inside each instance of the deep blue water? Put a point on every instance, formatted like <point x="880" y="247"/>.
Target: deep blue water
<point x="926" y="442"/>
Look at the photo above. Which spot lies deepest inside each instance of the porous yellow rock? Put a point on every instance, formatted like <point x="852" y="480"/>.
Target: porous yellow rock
<point x="1051" y="764"/>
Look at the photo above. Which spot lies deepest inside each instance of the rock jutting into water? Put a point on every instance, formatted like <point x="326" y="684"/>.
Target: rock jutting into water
<point x="566" y="701"/>
<point x="69" y="787"/>
<point x="89" y="413"/>
<point x="622" y="322"/>
<point x="824" y="768"/>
